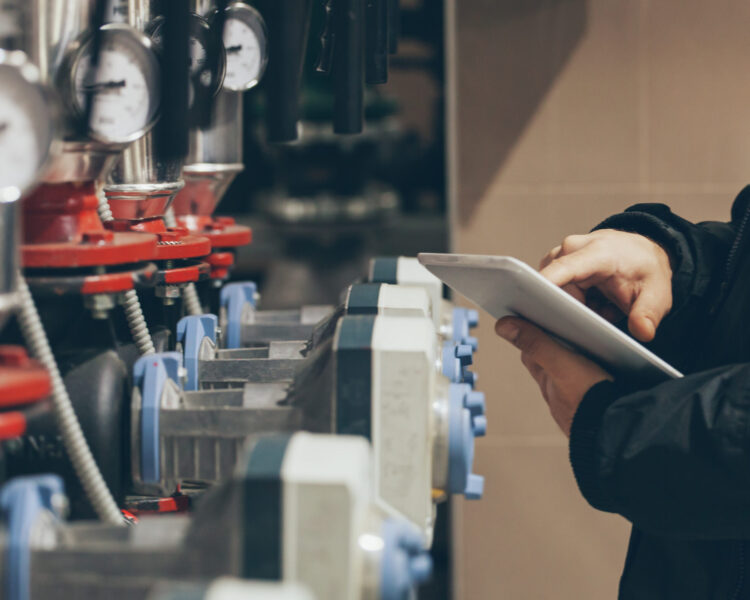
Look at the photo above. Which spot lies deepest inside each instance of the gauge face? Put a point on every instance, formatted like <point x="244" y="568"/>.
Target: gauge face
<point x="123" y="89"/>
<point x="199" y="41"/>
<point x="246" y="46"/>
<point x="26" y="128"/>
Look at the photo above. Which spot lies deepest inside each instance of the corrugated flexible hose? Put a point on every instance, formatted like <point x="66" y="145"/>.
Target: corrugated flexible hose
<point x="131" y="303"/>
<point x="70" y="429"/>
<point x="189" y="294"/>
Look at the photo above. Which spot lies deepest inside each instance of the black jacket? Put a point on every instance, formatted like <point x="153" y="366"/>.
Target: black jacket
<point x="675" y="459"/>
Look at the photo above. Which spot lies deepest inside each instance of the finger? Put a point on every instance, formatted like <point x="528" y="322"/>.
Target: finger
<point x="575" y="290"/>
<point x="533" y="367"/>
<point x="538" y="373"/>
<point x="653" y="302"/>
<point x="536" y="345"/>
<point x="573" y="243"/>
<point x="580" y="266"/>
<point x="550" y="256"/>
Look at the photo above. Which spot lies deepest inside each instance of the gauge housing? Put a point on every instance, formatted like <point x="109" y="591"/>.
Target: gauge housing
<point x="121" y="37"/>
<point x="200" y="33"/>
<point x="235" y="80"/>
<point x="41" y="103"/>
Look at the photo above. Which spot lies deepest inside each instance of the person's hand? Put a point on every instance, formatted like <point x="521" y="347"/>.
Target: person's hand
<point x="631" y="273"/>
<point x="563" y="376"/>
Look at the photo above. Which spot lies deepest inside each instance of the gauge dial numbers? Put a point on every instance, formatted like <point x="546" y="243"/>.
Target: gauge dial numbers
<point x="246" y="45"/>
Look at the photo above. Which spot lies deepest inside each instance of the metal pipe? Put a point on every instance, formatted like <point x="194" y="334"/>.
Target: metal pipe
<point x="10" y="232"/>
<point x="376" y="50"/>
<point x="288" y="28"/>
<point x="348" y="66"/>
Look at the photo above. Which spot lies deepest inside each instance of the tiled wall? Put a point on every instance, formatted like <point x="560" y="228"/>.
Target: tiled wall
<point x="566" y="111"/>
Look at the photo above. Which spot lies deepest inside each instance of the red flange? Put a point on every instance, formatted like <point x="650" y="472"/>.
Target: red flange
<point x="222" y="231"/>
<point x="62" y="229"/>
<point x="174" y="243"/>
<point x="184" y="273"/>
<point x="22" y="380"/>
<point x="112" y="282"/>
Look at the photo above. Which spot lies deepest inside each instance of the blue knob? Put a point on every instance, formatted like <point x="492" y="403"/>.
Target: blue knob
<point x="235" y="297"/>
<point x="405" y="562"/>
<point x="469" y="377"/>
<point x="22" y="500"/>
<point x="463" y="427"/>
<point x="150" y="374"/>
<point x="191" y="332"/>
<point x="465" y="354"/>
<point x="473" y="318"/>
<point x="479" y="425"/>
<point x="475" y="402"/>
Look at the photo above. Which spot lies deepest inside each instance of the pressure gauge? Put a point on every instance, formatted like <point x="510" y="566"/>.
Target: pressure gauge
<point x="123" y="89"/>
<point x="203" y="73"/>
<point x="27" y="124"/>
<point x="246" y="44"/>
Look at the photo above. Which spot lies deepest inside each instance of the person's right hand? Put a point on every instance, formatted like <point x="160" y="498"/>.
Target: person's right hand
<point x="632" y="272"/>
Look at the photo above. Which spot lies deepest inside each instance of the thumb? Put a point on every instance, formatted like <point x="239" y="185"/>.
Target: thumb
<point x="534" y="344"/>
<point x="648" y="310"/>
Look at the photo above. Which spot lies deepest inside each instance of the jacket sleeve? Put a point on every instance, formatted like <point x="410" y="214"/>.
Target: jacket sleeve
<point x="698" y="252"/>
<point x="675" y="459"/>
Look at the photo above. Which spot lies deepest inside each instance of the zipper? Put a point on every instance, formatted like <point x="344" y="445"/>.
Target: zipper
<point x="732" y="259"/>
<point x="741" y="577"/>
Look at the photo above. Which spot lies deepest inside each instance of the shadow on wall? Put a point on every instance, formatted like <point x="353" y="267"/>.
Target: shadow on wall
<point x="531" y="43"/>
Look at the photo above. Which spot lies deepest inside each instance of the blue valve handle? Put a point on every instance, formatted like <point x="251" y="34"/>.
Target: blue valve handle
<point x="455" y="360"/>
<point x="466" y="421"/>
<point x="191" y="331"/>
<point x="234" y="298"/>
<point x="405" y="562"/>
<point x="22" y="500"/>
<point x="150" y="374"/>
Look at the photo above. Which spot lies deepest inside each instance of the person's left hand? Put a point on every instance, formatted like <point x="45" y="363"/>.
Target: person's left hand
<point x="563" y="376"/>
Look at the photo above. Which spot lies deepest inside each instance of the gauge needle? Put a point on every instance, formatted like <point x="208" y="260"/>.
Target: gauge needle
<point x="233" y="49"/>
<point x="103" y="85"/>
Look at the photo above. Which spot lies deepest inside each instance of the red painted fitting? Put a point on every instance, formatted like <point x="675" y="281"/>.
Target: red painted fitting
<point x="194" y="206"/>
<point x="22" y="380"/>
<point x="173" y="243"/>
<point x="62" y="229"/>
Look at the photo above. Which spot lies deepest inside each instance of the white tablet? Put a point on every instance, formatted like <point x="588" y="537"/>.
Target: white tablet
<point x="504" y="286"/>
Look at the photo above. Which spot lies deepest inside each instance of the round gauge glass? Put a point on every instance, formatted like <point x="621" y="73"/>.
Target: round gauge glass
<point x="246" y="45"/>
<point x="27" y="123"/>
<point x="199" y="42"/>
<point x="123" y="88"/>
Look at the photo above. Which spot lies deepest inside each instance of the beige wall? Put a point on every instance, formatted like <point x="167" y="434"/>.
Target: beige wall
<point x="566" y="111"/>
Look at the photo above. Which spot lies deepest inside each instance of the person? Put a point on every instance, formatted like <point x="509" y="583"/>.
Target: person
<point x="672" y="459"/>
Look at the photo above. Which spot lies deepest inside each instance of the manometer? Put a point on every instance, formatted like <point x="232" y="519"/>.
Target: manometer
<point x="122" y="89"/>
<point x="203" y="72"/>
<point x="27" y="124"/>
<point x="246" y="45"/>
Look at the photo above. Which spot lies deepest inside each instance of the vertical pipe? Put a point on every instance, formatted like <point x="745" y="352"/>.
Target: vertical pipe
<point x="376" y="51"/>
<point x="394" y="25"/>
<point x="348" y="66"/>
<point x="288" y="28"/>
<point x="171" y="133"/>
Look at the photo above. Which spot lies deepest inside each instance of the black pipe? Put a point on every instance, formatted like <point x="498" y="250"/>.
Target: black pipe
<point x="348" y="66"/>
<point x="171" y="133"/>
<point x="288" y="28"/>
<point x="376" y="51"/>
<point x="95" y="26"/>
<point x="394" y="25"/>
<point x="203" y="102"/>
